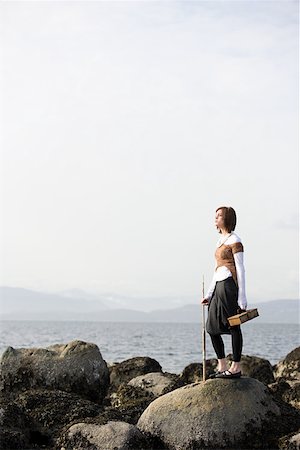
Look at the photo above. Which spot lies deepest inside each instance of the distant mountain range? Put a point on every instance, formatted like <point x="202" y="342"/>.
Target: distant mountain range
<point x="25" y="304"/>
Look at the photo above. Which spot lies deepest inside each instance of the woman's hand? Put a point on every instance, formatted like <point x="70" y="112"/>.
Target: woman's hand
<point x="204" y="301"/>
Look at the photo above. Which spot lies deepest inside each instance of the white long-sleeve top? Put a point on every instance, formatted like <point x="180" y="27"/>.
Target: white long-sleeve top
<point x="222" y="272"/>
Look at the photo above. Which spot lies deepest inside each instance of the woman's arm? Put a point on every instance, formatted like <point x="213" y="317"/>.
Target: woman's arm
<point x="211" y="289"/>
<point x="240" y="273"/>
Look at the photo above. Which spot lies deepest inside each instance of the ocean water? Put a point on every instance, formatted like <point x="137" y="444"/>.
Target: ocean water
<point x="173" y="345"/>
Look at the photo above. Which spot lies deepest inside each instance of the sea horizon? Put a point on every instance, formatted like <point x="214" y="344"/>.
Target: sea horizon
<point x="173" y="345"/>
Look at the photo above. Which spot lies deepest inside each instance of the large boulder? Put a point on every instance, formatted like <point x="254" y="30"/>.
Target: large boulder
<point x="255" y="367"/>
<point x="156" y="383"/>
<point x="289" y="367"/>
<point x="75" y="367"/>
<point x="215" y="414"/>
<point x="121" y="373"/>
<point x="111" y="436"/>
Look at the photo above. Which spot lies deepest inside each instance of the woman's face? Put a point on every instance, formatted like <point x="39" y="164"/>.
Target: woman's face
<point x="219" y="220"/>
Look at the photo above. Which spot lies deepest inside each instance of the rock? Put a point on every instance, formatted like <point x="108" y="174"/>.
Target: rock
<point x="35" y="417"/>
<point x="255" y="367"/>
<point x="112" y="436"/>
<point x="12" y="415"/>
<point x="193" y="373"/>
<point x="121" y="373"/>
<point x="54" y="409"/>
<point x="75" y="367"/>
<point x="14" y="432"/>
<point x="11" y="439"/>
<point x="156" y="383"/>
<point x="289" y="422"/>
<point x="292" y="395"/>
<point x="290" y="442"/>
<point x="217" y="414"/>
<point x="131" y="402"/>
<point x="289" y="368"/>
<point x="287" y="391"/>
<point x="251" y="366"/>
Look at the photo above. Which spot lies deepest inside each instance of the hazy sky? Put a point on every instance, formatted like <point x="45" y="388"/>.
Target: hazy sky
<point x="125" y="124"/>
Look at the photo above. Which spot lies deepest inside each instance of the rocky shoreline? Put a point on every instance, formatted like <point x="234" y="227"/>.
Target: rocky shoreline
<point x="66" y="397"/>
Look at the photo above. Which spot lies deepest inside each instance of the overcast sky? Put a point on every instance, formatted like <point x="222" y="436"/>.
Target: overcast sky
<point x="124" y="126"/>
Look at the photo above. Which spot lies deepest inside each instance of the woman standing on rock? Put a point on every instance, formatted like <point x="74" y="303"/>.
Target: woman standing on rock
<point x="226" y="295"/>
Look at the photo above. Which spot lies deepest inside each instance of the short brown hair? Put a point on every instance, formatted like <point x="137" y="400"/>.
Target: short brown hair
<point x="229" y="217"/>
